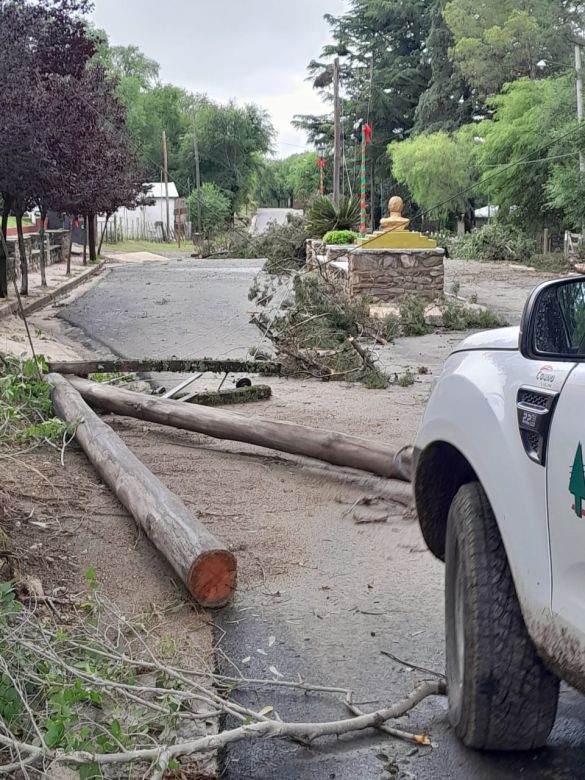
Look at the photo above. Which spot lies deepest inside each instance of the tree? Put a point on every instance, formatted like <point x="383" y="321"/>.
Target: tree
<point x="565" y="189"/>
<point x="39" y="43"/>
<point x="383" y="75"/>
<point x="282" y="183"/>
<point x="447" y="103"/>
<point x="437" y="168"/>
<point x="107" y="171"/>
<point x="232" y="143"/>
<point x="499" y="41"/>
<point x="215" y="209"/>
<point x="533" y="128"/>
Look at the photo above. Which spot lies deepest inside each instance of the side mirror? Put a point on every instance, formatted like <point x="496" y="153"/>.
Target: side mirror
<point x="553" y="323"/>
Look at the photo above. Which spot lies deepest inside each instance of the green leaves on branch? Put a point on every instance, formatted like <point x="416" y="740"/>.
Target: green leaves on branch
<point x="215" y="209"/>
<point x="494" y="242"/>
<point x="26" y="415"/>
<point x="497" y="42"/>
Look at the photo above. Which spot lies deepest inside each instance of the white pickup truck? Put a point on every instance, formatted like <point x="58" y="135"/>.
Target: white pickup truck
<point x="499" y="481"/>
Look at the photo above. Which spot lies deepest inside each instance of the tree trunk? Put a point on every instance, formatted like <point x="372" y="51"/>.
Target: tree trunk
<point x="84" y="240"/>
<point x="206" y="567"/>
<point x="92" y="246"/>
<point x="43" y="248"/>
<point x="329" y="446"/>
<point x="103" y="234"/>
<point x="3" y="255"/>
<point x="68" y="269"/>
<point x="22" y="253"/>
<point x="172" y="366"/>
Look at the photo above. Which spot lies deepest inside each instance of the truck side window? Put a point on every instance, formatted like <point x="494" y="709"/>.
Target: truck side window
<point x="550" y="329"/>
<point x="571" y="299"/>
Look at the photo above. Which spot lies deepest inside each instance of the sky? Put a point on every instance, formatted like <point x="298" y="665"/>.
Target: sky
<point x="251" y="50"/>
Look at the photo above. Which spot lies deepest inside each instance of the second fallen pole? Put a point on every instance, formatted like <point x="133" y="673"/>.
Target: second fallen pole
<point x="329" y="446"/>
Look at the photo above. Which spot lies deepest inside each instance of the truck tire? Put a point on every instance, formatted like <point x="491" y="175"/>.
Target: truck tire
<point x="501" y="696"/>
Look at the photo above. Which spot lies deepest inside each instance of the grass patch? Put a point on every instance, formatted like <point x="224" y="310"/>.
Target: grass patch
<point x="26" y="414"/>
<point x="155" y="247"/>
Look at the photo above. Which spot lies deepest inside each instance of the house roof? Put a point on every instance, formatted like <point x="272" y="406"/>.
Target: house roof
<point x="157" y="190"/>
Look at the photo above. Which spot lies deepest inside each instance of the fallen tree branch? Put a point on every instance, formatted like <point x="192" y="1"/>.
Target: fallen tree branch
<point x="237" y="395"/>
<point x="173" y="365"/>
<point x="363" y="353"/>
<point x="268" y="729"/>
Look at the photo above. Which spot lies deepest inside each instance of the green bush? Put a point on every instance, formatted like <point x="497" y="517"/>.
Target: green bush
<point x="324" y="216"/>
<point x="340" y="237"/>
<point x="494" y="242"/>
<point x="216" y="210"/>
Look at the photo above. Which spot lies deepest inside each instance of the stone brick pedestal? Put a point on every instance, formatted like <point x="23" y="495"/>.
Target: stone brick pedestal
<point x="387" y="274"/>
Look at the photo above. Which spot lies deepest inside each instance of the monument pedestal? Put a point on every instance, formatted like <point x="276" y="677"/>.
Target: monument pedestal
<point x="387" y="274"/>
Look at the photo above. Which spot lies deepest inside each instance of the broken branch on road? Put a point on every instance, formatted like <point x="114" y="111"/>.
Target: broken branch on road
<point x="172" y="365"/>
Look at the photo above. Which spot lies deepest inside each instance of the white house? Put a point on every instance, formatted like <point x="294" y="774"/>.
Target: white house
<point x="141" y="222"/>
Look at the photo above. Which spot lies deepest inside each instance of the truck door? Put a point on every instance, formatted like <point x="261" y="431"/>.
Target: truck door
<point x="566" y="501"/>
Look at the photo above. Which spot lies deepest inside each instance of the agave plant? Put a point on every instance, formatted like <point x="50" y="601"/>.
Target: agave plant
<point x="324" y="216"/>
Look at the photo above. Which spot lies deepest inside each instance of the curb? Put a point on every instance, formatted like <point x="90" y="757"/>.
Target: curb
<point x="8" y="309"/>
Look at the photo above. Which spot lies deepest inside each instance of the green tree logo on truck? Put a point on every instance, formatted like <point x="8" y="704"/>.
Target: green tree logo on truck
<point x="577" y="483"/>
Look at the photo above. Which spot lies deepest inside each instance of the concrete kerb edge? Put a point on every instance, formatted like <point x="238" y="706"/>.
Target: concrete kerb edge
<point x="7" y="310"/>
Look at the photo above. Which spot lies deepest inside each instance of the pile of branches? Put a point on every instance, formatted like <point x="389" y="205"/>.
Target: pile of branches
<point x="90" y="692"/>
<point x="282" y="246"/>
<point x="316" y="329"/>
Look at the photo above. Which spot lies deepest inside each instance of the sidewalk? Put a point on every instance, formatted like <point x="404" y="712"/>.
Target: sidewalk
<point x="58" y="283"/>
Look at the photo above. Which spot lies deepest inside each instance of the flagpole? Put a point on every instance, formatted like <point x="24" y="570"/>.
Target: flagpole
<point x="363" y="205"/>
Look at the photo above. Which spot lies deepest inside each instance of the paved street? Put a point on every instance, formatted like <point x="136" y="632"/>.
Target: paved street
<point x="193" y="308"/>
<point x="320" y="597"/>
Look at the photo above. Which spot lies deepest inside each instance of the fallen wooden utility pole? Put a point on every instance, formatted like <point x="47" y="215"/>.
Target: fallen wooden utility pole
<point x="173" y="365"/>
<point x="206" y="567"/>
<point x="330" y="446"/>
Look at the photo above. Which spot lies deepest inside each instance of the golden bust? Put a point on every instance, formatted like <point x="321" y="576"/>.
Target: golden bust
<point x="395" y="221"/>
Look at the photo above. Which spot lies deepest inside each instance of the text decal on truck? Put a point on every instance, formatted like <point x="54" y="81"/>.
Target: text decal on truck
<point x="577" y="482"/>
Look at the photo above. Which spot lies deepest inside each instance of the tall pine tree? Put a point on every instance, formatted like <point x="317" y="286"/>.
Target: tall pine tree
<point x="447" y="103"/>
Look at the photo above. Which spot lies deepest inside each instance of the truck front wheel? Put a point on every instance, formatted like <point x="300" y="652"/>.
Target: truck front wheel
<point x="501" y="696"/>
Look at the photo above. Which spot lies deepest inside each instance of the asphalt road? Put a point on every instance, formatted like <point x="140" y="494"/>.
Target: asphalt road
<point x="351" y="593"/>
<point x="265" y="216"/>
<point x="188" y="308"/>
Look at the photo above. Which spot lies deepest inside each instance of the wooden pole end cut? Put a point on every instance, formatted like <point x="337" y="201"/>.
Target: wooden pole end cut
<point x="212" y="579"/>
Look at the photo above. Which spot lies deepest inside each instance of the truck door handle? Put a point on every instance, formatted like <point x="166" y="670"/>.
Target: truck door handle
<point x="535" y="413"/>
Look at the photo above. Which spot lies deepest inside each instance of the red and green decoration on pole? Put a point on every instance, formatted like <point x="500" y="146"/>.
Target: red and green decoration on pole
<point x="366" y="139"/>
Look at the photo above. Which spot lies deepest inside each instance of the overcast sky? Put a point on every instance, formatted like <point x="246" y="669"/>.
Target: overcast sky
<point x="251" y="50"/>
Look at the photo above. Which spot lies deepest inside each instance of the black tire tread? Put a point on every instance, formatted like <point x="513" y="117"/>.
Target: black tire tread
<point x="509" y="697"/>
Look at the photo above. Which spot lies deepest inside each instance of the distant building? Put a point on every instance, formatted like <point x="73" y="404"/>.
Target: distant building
<point x="146" y="221"/>
<point x="485" y="214"/>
